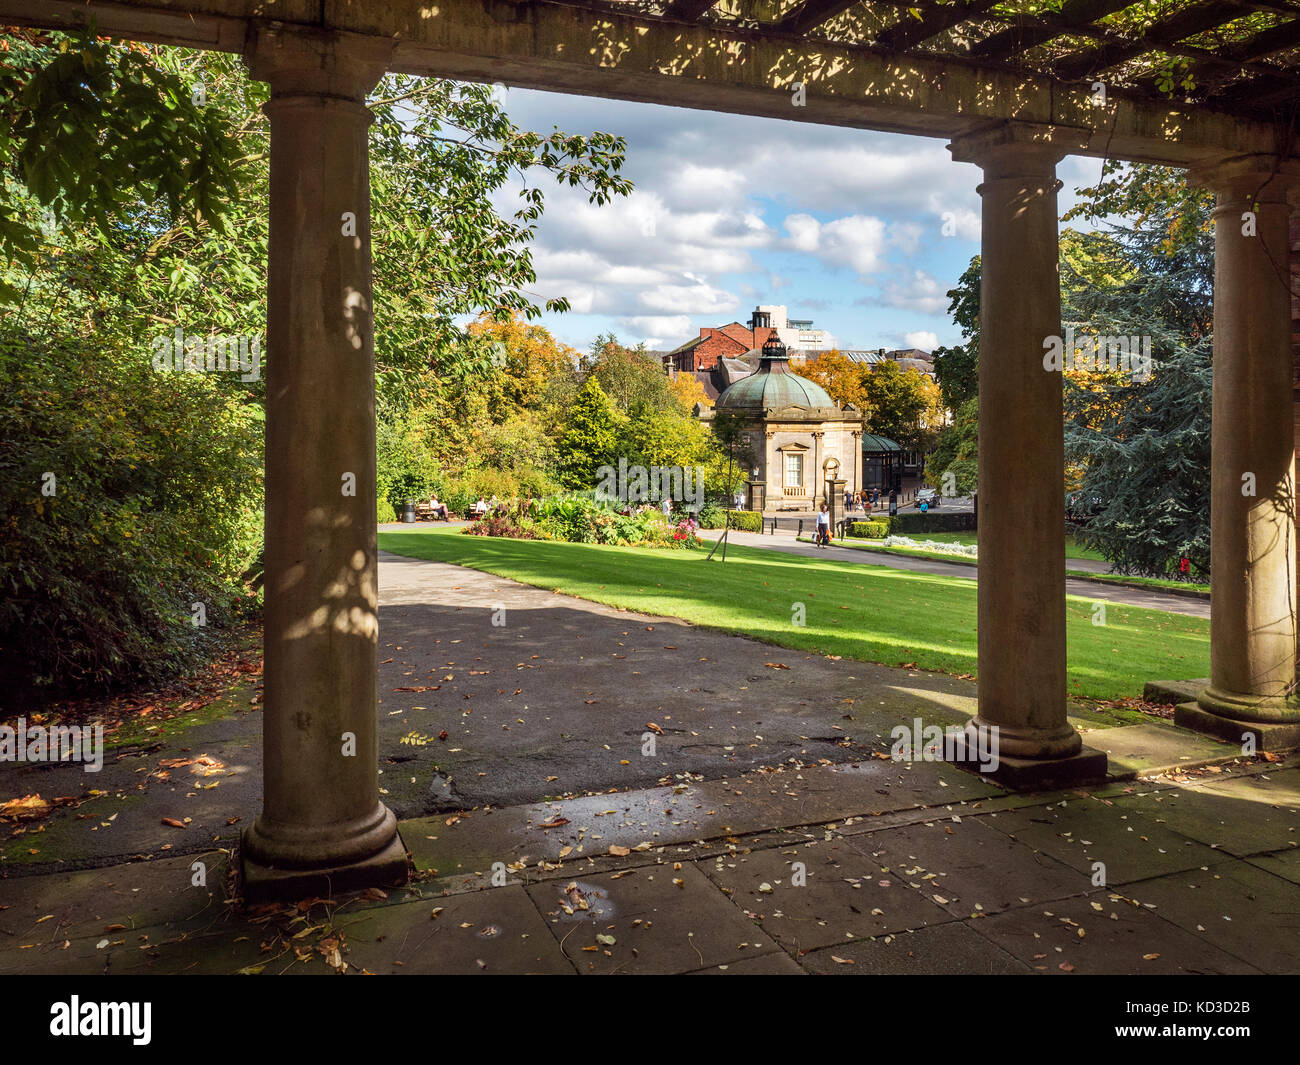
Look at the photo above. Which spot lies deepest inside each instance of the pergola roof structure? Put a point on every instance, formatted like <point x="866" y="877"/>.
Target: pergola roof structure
<point x="1185" y="80"/>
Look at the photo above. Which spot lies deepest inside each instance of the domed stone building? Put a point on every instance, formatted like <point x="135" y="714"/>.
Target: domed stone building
<point x="791" y="428"/>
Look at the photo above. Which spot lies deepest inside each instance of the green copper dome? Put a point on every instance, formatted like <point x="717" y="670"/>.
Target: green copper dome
<point x="775" y="385"/>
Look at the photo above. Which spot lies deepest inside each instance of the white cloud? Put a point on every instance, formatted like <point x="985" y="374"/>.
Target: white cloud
<point x="805" y="232"/>
<point x="754" y="210"/>
<point x="696" y="298"/>
<point x="905" y="236"/>
<point x="922" y="339"/>
<point x="658" y="331"/>
<point x="856" y="241"/>
<point x="918" y="292"/>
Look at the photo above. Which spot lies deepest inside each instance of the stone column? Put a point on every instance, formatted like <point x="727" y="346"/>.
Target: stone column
<point x="322" y="826"/>
<point x="1252" y="483"/>
<point x="1022" y="688"/>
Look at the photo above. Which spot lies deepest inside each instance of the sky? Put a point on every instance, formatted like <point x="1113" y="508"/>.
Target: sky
<point x="842" y="226"/>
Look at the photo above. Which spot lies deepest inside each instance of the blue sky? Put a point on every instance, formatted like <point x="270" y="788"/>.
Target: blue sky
<point x="841" y="226"/>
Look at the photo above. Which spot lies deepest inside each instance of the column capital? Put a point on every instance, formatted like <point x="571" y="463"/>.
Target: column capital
<point x="1010" y="148"/>
<point x="309" y="62"/>
<point x="1265" y="178"/>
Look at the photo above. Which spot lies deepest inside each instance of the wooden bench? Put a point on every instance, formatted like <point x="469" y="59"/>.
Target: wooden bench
<point x="424" y="512"/>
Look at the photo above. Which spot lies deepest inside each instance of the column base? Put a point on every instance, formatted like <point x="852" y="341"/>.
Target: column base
<point x="262" y="882"/>
<point x="1085" y="766"/>
<point x="1273" y="736"/>
<point x="1261" y="709"/>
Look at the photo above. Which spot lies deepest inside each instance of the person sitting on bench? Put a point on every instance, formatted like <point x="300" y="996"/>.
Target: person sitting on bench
<point x="438" y="508"/>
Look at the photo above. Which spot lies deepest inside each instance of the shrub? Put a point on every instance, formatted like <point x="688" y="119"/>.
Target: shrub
<point x="931" y="523"/>
<point x="509" y="525"/>
<point x="581" y="520"/>
<point x="385" y="511"/>
<point x="156" y="507"/>
<point x="711" y="516"/>
<point x="873" y="530"/>
<point x="745" y="520"/>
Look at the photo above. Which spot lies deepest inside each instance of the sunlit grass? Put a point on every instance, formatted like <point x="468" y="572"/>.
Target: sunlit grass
<point x="872" y="613"/>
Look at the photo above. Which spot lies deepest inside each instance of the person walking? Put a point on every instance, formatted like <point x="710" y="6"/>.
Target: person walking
<point x="823" y="526"/>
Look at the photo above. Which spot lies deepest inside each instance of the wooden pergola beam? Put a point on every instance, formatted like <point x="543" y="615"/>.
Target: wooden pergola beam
<point x="1163" y="34"/>
<point x="908" y="32"/>
<point x="629" y="55"/>
<point x="1075" y="17"/>
<point x="689" y="10"/>
<point x="813" y="14"/>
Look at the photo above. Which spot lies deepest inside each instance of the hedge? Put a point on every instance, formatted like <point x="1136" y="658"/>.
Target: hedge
<point x="907" y="524"/>
<point x="745" y="520"/>
<point x="874" y="530"/>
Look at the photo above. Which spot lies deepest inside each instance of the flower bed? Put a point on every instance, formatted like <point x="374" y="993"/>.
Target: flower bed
<point x="968" y="550"/>
<point x="579" y="520"/>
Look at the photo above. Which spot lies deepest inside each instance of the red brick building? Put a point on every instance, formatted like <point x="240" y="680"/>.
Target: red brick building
<point x="729" y="341"/>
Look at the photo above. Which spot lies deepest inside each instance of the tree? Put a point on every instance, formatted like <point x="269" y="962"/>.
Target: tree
<point x="841" y="376"/>
<point x="160" y="206"/>
<point x="729" y="426"/>
<point x="593" y="429"/>
<point x="631" y="377"/>
<point x="91" y="129"/>
<point x="688" y="391"/>
<point x="533" y="369"/>
<point x="896" y="402"/>
<point x="957" y="452"/>
<point x="1142" y="448"/>
<point x="957" y="368"/>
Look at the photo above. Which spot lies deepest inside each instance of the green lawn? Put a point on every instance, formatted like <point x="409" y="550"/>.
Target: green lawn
<point x="872" y="613"/>
<point x="876" y="546"/>
<point x="1072" y="549"/>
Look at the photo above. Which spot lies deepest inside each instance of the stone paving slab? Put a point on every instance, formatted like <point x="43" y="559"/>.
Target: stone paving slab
<point x="1241" y="909"/>
<point x="77" y="905"/>
<point x="662" y="920"/>
<point x="1118" y="938"/>
<point x="1219" y="818"/>
<point x="848" y="896"/>
<point x="588" y="826"/>
<point x="947" y="949"/>
<point x="777" y="963"/>
<point x="1280" y="788"/>
<point x="493" y="931"/>
<point x="968" y="867"/>
<point x="1144" y="750"/>
<point x="1285" y="864"/>
<point x="224" y="948"/>
<point x="1083" y="832"/>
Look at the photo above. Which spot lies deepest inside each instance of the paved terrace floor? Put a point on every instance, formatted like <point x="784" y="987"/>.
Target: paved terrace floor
<point x="690" y="865"/>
